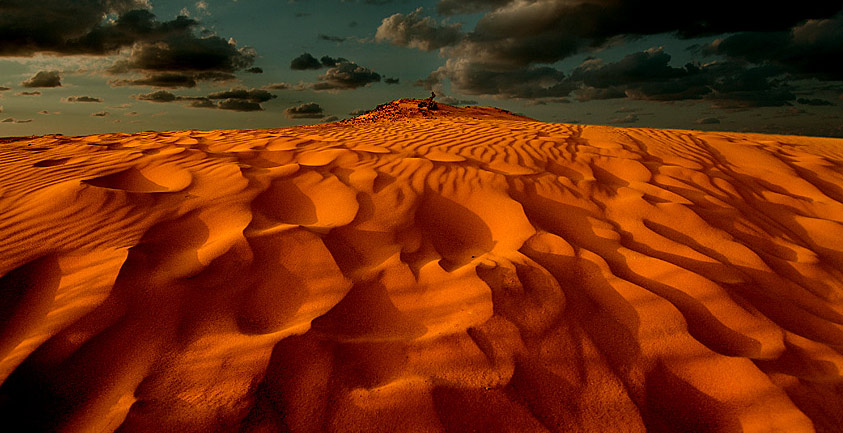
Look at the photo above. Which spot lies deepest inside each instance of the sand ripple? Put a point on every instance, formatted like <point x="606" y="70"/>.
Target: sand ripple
<point x="467" y="270"/>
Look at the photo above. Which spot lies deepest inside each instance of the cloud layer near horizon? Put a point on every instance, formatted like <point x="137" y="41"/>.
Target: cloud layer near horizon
<point x="237" y="99"/>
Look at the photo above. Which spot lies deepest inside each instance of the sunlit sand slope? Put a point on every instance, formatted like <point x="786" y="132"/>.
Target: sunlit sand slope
<point x="408" y="270"/>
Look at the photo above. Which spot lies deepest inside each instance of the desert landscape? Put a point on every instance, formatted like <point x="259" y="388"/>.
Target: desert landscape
<point x="417" y="270"/>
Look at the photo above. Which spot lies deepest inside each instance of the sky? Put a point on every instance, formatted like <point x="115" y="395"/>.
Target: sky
<point x="94" y="66"/>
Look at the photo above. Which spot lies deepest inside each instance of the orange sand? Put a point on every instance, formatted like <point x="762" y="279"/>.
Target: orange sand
<point x="411" y="271"/>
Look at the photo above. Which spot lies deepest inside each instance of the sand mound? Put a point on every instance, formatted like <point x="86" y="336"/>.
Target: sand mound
<point x="450" y="270"/>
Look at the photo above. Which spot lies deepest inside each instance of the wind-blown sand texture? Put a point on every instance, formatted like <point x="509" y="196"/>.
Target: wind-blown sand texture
<point x="456" y="270"/>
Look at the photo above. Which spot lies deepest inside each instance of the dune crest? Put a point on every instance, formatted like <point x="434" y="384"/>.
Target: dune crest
<point x="459" y="269"/>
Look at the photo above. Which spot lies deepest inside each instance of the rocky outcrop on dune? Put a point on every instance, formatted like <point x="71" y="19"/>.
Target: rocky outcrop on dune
<point x="456" y="270"/>
<point x="406" y="109"/>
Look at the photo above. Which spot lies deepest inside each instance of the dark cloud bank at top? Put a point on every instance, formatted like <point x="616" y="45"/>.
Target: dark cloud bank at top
<point x="166" y="53"/>
<point x="758" y="58"/>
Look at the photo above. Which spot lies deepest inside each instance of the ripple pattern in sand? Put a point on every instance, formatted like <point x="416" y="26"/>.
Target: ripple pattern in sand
<point x="448" y="273"/>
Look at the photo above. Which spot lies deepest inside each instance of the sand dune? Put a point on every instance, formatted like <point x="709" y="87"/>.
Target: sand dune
<point x="408" y="270"/>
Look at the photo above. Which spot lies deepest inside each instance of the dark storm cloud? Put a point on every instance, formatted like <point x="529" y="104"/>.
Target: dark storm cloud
<point x="159" y="96"/>
<point x="343" y="74"/>
<point x="391" y="80"/>
<point x="201" y="102"/>
<point x="330" y="38"/>
<point x="187" y="53"/>
<point x="346" y="76"/>
<point x="171" y="80"/>
<point x="545" y="31"/>
<point x="82" y="99"/>
<point x="3" y="89"/>
<point x="100" y="114"/>
<point x="33" y="93"/>
<point x="814" y="101"/>
<point x="809" y="50"/>
<point x="508" y="51"/>
<point x="643" y="75"/>
<point x="304" y="62"/>
<point x="43" y="79"/>
<point x="239" y="105"/>
<point x="648" y="76"/>
<point x="431" y="81"/>
<point x="253" y="95"/>
<point x="645" y="66"/>
<point x="478" y="79"/>
<point x="737" y="87"/>
<point x="78" y="27"/>
<point x="175" y="79"/>
<point x="415" y="31"/>
<point x="310" y="110"/>
<point x="255" y="70"/>
<point x="232" y="99"/>
<point x="330" y="61"/>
